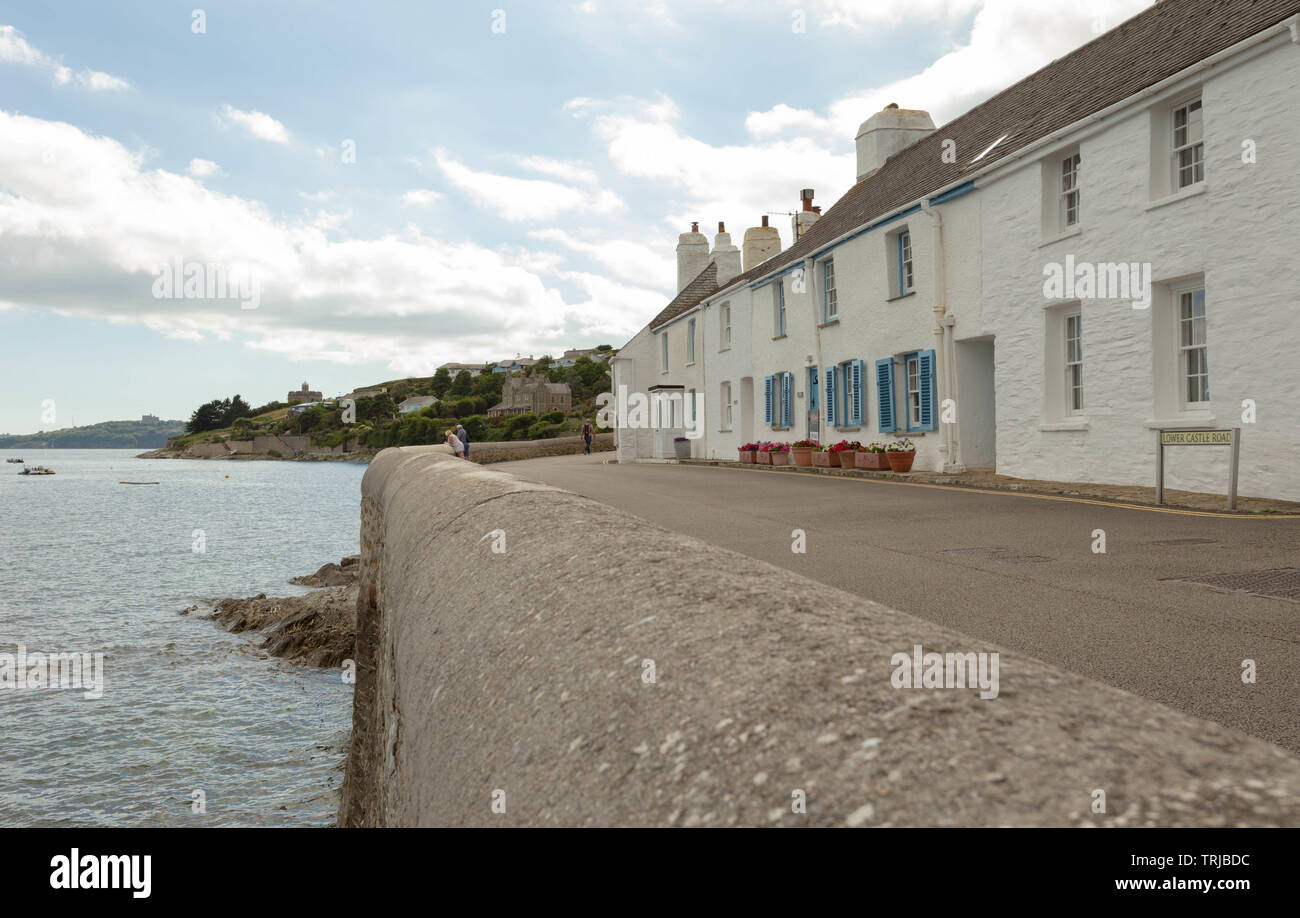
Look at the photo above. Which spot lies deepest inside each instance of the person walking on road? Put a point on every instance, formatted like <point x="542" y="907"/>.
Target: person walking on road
<point x="464" y="438"/>
<point x="586" y="435"/>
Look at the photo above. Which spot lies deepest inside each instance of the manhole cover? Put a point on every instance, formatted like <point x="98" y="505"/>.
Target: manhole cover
<point x="1283" y="583"/>
<point x="1184" y="542"/>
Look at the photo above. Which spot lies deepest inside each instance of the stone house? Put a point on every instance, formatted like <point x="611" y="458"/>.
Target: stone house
<point x="521" y="394"/>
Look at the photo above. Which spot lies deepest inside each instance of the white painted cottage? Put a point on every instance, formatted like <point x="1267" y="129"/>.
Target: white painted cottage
<point x="1105" y="248"/>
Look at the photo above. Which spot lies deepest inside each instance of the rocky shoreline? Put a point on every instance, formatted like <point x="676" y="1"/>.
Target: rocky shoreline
<point x="314" y="629"/>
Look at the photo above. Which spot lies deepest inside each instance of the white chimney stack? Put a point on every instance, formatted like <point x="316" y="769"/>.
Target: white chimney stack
<point x="806" y="216"/>
<point x="887" y="132"/>
<point x="761" y="243"/>
<point x="726" y="255"/>
<point x="692" y="256"/>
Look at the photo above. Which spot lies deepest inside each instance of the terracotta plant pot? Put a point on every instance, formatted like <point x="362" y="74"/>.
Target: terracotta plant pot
<point x="845" y="457"/>
<point x="821" y="460"/>
<point x="762" y="457"/>
<point x="780" y="458"/>
<point x="746" y="455"/>
<point x="876" y="462"/>
<point x="901" y="461"/>
<point x="802" y="456"/>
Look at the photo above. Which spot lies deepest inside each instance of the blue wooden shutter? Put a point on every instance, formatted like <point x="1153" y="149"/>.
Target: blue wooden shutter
<point x="925" y="370"/>
<point x="767" y="400"/>
<point x="830" y="396"/>
<point x="855" y="371"/>
<point x="885" y="394"/>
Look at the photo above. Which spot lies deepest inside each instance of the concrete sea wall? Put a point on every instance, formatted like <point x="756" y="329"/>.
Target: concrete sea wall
<point x="512" y="688"/>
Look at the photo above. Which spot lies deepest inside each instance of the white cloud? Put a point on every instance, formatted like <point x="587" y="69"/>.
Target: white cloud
<point x="422" y="197"/>
<point x="98" y="81"/>
<point x="14" y="49"/>
<point x="1009" y="40"/>
<point x="565" y="170"/>
<point x="202" y="168"/>
<point x="86" y="227"/>
<point x="316" y="196"/>
<point x="255" y="124"/>
<point x="649" y="264"/>
<point x="517" y="199"/>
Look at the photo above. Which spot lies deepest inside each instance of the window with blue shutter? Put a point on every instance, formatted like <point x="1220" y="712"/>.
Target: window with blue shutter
<point x="830" y="396"/>
<point x="768" y="384"/>
<point x="885" y="394"/>
<point x="925" y="360"/>
<point x="787" y="399"/>
<point x="856" y="412"/>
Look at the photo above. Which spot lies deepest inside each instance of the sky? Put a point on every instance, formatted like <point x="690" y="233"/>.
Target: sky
<point x="382" y="187"/>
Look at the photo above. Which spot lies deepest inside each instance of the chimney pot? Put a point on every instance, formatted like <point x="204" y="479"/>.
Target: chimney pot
<point x="807" y="197"/>
<point x="722" y="227"/>
<point x="695" y="226"/>
<point x="765" y="219"/>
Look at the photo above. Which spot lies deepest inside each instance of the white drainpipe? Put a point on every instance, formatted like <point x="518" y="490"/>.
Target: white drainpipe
<point x="822" y="429"/>
<point x="943" y="326"/>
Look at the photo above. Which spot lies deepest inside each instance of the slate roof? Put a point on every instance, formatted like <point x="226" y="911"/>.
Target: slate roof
<point x="705" y="284"/>
<point x="1140" y="52"/>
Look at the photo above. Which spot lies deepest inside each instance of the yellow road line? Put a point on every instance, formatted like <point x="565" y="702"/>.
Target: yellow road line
<point x="1073" y="500"/>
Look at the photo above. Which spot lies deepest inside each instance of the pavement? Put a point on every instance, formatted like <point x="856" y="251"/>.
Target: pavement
<point x="1012" y="569"/>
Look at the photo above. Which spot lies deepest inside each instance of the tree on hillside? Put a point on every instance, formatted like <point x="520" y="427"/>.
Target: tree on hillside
<point x="441" y="382"/>
<point x="208" y="416"/>
<point x="463" y="384"/>
<point x="236" y="408"/>
<point x="488" y="385"/>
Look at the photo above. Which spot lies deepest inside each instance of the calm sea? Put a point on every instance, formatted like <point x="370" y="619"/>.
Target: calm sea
<point x="91" y="565"/>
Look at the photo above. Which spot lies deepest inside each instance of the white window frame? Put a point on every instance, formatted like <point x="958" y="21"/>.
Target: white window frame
<point x="912" y="380"/>
<point x="778" y="307"/>
<point x="664" y="344"/>
<point x="690" y="341"/>
<point x="724" y="319"/>
<point x="830" y="299"/>
<point x="1072" y="332"/>
<point x="1187" y="295"/>
<point x="906" y="264"/>
<point x="1196" y="146"/>
<point x="1068" y="190"/>
<point x="726" y="405"/>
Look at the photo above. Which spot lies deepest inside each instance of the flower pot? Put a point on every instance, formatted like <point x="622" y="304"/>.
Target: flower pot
<point x="876" y="462"/>
<point x="901" y="461"/>
<point x="845" y="457"/>
<point x="821" y="460"/>
<point x="762" y="457"/>
<point x="802" y="456"/>
<point x="780" y="458"/>
<point x="746" y="455"/>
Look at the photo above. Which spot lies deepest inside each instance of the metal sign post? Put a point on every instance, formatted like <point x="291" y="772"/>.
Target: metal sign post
<point x="1201" y="437"/>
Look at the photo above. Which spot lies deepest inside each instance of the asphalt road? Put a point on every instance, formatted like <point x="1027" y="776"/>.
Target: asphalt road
<point x="1116" y="617"/>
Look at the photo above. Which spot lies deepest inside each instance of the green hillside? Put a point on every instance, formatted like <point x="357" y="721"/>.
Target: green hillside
<point x="106" y="435"/>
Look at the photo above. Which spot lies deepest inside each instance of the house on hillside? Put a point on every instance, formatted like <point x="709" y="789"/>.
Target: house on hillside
<point x="473" y="369"/>
<point x="1035" y="287"/>
<point x="415" y="403"/>
<point x="521" y="394"/>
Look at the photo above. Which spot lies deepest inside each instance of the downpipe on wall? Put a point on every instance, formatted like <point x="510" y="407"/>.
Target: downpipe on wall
<point x="943" y="329"/>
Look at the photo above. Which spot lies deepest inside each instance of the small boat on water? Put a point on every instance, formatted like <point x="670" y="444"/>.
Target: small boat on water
<point x="13" y="460"/>
<point x="36" y="470"/>
<point x="137" y="482"/>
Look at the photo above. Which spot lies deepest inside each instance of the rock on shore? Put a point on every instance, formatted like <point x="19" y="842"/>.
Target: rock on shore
<point x="315" y="629"/>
